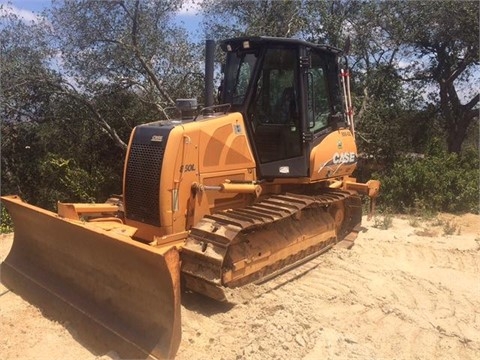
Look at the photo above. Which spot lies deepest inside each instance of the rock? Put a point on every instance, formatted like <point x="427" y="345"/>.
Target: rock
<point x="300" y="341"/>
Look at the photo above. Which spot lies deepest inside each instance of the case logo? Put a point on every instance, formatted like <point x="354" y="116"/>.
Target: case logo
<point x="344" y="158"/>
<point x="157" y="138"/>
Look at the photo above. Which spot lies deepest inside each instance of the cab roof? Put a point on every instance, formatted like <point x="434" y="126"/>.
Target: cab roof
<point x="257" y="41"/>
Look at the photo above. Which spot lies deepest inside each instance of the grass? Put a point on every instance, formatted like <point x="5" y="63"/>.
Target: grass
<point x="417" y="220"/>
<point x="414" y="221"/>
<point x="384" y="222"/>
<point x="450" y="228"/>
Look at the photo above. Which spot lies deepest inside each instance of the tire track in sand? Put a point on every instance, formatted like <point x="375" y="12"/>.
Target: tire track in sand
<point x="392" y="296"/>
<point x="395" y="295"/>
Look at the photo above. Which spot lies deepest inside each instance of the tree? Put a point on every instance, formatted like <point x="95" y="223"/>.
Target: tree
<point x="25" y="53"/>
<point x="440" y="40"/>
<point x="225" y="19"/>
<point x="122" y="45"/>
<point x="330" y="21"/>
<point x="24" y="58"/>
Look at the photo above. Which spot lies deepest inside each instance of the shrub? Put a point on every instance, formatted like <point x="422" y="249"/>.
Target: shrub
<point x="383" y="223"/>
<point x="439" y="181"/>
<point x="6" y="224"/>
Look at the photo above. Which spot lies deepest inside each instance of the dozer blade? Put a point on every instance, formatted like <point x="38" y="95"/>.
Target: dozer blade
<point x="130" y="288"/>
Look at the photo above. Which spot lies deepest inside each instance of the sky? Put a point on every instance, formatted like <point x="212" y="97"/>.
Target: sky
<point x="187" y="16"/>
<point x="26" y="9"/>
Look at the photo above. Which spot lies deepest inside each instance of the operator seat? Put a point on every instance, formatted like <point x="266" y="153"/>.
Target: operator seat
<point x="285" y="109"/>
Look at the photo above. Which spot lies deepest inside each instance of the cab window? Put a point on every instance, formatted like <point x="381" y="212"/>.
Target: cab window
<point x="318" y="110"/>
<point x="240" y="69"/>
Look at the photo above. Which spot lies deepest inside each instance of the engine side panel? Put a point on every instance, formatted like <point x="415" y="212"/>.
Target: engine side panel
<point x="206" y="152"/>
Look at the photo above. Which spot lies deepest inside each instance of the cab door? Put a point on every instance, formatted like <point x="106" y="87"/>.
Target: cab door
<point x="275" y="114"/>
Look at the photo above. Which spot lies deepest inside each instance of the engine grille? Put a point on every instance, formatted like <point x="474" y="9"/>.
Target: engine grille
<point x="142" y="177"/>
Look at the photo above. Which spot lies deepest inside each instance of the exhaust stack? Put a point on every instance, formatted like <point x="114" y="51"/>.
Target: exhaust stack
<point x="209" y="68"/>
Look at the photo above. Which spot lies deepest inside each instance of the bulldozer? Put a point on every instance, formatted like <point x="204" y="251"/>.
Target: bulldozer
<point x="220" y="197"/>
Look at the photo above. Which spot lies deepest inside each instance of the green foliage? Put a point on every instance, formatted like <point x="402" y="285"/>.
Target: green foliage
<point x="225" y="19"/>
<point x="68" y="159"/>
<point x="384" y="222"/>
<point x="6" y="224"/>
<point x="68" y="181"/>
<point x="438" y="181"/>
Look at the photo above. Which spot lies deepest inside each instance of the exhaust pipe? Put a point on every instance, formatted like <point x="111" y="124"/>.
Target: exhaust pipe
<point x="209" y="67"/>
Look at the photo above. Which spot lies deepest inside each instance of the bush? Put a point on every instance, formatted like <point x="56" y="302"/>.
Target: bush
<point x="6" y="224"/>
<point x="383" y="223"/>
<point x="439" y="181"/>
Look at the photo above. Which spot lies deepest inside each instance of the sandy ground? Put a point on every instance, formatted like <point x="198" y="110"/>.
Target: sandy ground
<point x="409" y="292"/>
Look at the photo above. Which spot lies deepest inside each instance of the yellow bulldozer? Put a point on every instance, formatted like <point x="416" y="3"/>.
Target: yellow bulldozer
<point x="221" y="197"/>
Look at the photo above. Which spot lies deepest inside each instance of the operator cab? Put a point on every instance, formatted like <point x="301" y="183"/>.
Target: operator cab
<point x="289" y="94"/>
